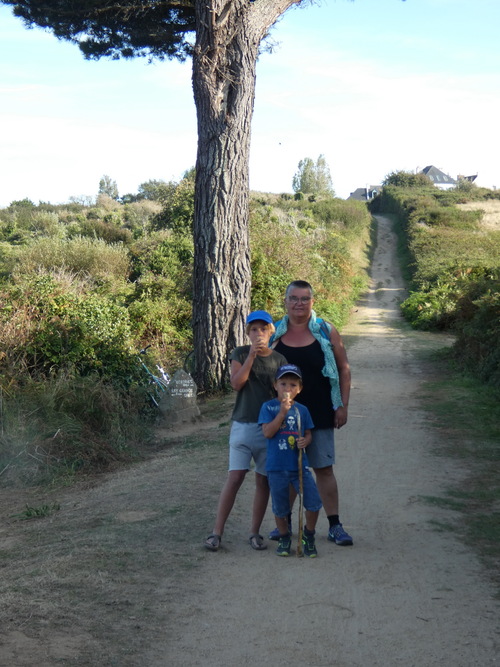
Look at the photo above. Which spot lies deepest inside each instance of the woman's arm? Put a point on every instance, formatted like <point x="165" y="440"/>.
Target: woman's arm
<point x="344" y="370"/>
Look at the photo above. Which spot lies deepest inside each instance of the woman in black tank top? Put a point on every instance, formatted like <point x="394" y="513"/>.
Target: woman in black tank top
<point x="315" y="394"/>
<point x="304" y="350"/>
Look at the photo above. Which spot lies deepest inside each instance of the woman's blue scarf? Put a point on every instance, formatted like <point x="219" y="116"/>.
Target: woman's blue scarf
<point x="330" y="368"/>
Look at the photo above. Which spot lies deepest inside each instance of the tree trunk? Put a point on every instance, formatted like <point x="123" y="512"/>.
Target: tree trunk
<point x="228" y="34"/>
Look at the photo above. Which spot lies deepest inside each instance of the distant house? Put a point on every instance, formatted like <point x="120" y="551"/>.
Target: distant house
<point x="366" y="194"/>
<point x="439" y="178"/>
<point x="471" y="179"/>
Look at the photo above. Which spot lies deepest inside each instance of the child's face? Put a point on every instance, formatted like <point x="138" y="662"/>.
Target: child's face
<point x="260" y="332"/>
<point x="288" y="384"/>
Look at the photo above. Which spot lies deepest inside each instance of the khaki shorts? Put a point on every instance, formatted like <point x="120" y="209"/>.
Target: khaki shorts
<point x="247" y="442"/>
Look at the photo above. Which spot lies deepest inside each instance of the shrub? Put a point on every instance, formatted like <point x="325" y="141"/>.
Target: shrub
<point x="46" y="328"/>
<point x="434" y="309"/>
<point x="101" y="230"/>
<point x="478" y="326"/>
<point x="448" y="216"/>
<point x="138" y="216"/>
<point x="73" y="310"/>
<point x="178" y="209"/>
<point x="44" y="223"/>
<point x="407" y="179"/>
<point x="286" y="246"/>
<point x="454" y="269"/>
<point x="83" y="256"/>
<point x="350" y="215"/>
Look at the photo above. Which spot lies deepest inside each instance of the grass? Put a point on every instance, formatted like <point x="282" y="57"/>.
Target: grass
<point x="467" y="414"/>
<point x="491" y="212"/>
<point x="37" y="512"/>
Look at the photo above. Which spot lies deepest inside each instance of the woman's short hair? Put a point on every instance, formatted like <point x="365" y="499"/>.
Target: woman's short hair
<point x="299" y="284"/>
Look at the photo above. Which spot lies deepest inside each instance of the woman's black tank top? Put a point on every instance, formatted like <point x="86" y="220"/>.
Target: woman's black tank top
<point x="316" y="392"/>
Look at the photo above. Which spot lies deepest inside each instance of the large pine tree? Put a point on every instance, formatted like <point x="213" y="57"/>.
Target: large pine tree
<point x="223" y="38"/>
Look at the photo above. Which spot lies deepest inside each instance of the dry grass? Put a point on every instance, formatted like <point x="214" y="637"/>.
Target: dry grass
<point x="96" y="582"/>
<point x="491" y="210"/>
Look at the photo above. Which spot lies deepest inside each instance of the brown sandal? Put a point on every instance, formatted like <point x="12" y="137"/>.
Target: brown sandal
<point x="212" y="543"/>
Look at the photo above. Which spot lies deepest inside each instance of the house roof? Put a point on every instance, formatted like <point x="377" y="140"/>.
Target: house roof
<point x="366" y="193"/>
<point x="437" y="176"/>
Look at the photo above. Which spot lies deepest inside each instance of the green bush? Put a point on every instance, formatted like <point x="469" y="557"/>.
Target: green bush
<point x="438" y="252"/>
<point x="85" y="287"/>
<point x="87" y="257"/>
<point x="279" y="253"/>
<point x="101" y="230"/>
<point x="45" y="328"/>
<point x="178" y="208"/>
<point x="165" y="254"/>
<point x="453" y="267"/>
<point x="45" y="223"/>
<point x="448" y="216"/>
<point x="434" y="309"/>
<point x="478" y="328"/>
<point x="350" y="215"/>
<point x="138" y="216"/>
<point x="406" y="179"/>
<point x="286" y="246"/>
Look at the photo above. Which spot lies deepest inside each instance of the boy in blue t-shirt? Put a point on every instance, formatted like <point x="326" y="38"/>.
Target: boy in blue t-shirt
<point x="287" y="426"/>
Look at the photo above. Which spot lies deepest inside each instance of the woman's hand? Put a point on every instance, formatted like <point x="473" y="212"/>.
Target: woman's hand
<point x="340" y="417"/>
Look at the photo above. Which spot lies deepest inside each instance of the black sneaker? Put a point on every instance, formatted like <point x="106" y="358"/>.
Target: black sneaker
<point x="308" y="545"/>
<point x="275" y="534"/>
<point x="284" y="545"/>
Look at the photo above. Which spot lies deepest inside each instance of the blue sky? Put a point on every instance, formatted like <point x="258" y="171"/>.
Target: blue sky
<point x="374" y="85"/>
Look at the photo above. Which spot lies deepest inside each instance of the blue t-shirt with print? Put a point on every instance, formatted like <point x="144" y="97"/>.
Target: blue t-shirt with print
<point x="282" y="451"/>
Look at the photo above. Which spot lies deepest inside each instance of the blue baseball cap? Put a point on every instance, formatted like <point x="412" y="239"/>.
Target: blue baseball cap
<point x="286" y="369"/>
<point x="261" y="315"/>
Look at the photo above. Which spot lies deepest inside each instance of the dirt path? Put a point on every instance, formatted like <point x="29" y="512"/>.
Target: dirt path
<point x="119" y="576"/>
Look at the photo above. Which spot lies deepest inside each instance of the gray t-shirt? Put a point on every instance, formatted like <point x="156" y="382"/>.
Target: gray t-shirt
<point x="259" y="387"/>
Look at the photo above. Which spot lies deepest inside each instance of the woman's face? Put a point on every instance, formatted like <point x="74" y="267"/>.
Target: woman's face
<point x="299" y="302"/>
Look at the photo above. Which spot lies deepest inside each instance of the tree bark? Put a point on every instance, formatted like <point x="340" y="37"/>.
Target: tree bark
<point x="228" y="35"/>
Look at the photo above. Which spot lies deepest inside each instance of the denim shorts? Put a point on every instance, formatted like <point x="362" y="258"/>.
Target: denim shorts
<point x="321" y="451"/>
<point x="247" y="442"/>
<point x="279" y="483"/>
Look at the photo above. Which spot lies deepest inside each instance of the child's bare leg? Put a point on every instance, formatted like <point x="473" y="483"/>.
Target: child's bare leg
<point x="227" y="497"/>
<point x="282" y="524"/>
<point x="260" y="501"/>
<point x="311" y="520"/>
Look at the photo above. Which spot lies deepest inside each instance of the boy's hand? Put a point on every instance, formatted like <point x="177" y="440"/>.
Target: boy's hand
<point x="258" y="346"/>
<point x="302" y="442"/>
<point x="286" y="401"/>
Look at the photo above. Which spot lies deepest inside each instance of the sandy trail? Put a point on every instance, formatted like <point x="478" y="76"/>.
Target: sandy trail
<point x="404" y="594"/>
<point x="119" y="576"/>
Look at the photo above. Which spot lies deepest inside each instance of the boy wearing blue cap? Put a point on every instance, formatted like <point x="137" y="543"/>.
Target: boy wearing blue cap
<point x="253" y="369"/>
<point x="287" y="426"/>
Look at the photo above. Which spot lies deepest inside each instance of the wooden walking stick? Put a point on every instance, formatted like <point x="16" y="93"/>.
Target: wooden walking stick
<point x="301" y="488"/>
